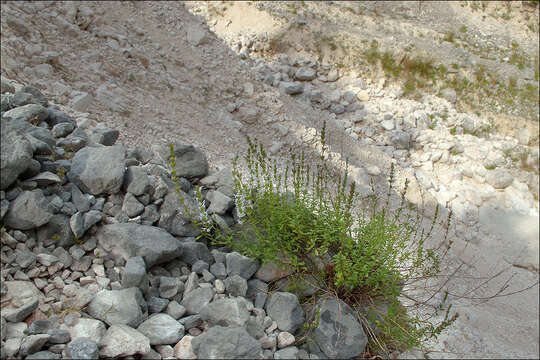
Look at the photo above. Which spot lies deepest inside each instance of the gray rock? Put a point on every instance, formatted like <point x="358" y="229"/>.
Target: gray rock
<point x="175" y="310"/>
<point x="226" y="312"/>
<point x="241" y="265"/>
<point x="168" y="287"/>
<point x="87" y="328"/>
<point x="136" y="181"/>
<point x="226" y="343"/>
<point x="81" y="102"/>
<point x="43" y="355"/>
<point x="156" y="304"/>
<point x="36" y="93"/>
<point x="449" y="94"/>
<point x="11" y="347"/>
<point x="131" y="206"/>
<point x="174" y="218"/>
<point x="192" y="283"/>
<point x="80" y="200"/>
<point x="118" y="306"/>
<point x="256" y="286"/>
<point x="499" y="178"/>
<point x="31" y="113"/>
<point x="287" y="353"/>
<point x="337" y="109"/>
<point x="196" y="36"/>
<point x="219" y="203"/>
<point x="40" y="327"/>
<point x="25" y="258"/>
<point x="333" y="75"/>
<point x="104" y="136"/>
<point x="199" y="266"/>
<point x="91" y="218"/>
<point x="59" y="336"/>
<point x="400" y="139"/>
<point x="291" y="88"/>
<point x="15" y="156"/>
<point x="190" y="161"/>
<point x="134" y="272"/>
<point x="20" y="313"/>
<point x="62" y="129"/>
<point x="122" y="341"/>
<point x="194" y="251"/>
<point x="4" y="207"/>
<point x="236" y="285"/>
<point x="191" y="321"/>
<point x="127" y="240"/>
<point x="162" y="329"/>
<point x="338" y="334"/>
<point x="57" y="117"/>
<point x="82" y="348"/>
<point x="32" y="344"/>
<point x="197" y="299"/>
<point x="305" y="74"/>
<point x="6" y="86"/>
<point x="76" y="223"/>
<point x="63" y="256"/>
<point x="285" y="309"/>
<point x="219" y="270"/>
<point x="98" y="170"/>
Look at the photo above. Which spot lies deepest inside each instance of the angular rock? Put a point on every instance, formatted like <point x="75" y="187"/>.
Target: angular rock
<point x="136" y="181"/>
<point x="43" y="355"/>
<point x="338" y="334"/>
<point x="219" y="203"/>
<point x="285" y="309"/>
<point x="32" y="344"/>
<point x="190" y="161"/>
<point x="29" y="210"/>
<point x="226" y="343"/>
<point x="195" y="251"/>
<point x="31" y="113"/>
<point x="15" y="156"/>
<point x="162" y="329"/>
<point x="241" y="265"/>
<point x="287" y="353"/>
<point x="122" y="340"/>
<point x="270" y="271"/>
<point x="98" y="170"/>
<point x="118" y="306"/>
<point x="197" y="299"/>
<point x="127" y="240"/>
<point x="184" y="349"/>
<point x="236" y="285"/>
<point x="400" y="139"/>
<point x="82" y="348"/>
<point x="91" y="329"/>
<point x="156" y="304"/>
<point x="174" y="218"/>
<point x="226" y="312"/>
<point x="131" y="206"/>
<point x="134" y="272"/>
<point x="175" y="310"/>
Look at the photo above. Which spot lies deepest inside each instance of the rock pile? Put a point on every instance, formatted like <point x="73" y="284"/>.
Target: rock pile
<point x="99" y="256"/>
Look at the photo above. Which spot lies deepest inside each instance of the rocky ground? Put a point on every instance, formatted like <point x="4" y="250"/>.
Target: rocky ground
<point x="160" y="73"/>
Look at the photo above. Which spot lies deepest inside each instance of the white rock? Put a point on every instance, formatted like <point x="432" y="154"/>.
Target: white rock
<point x="183" y="349"/>
<point x="285" y="339"/>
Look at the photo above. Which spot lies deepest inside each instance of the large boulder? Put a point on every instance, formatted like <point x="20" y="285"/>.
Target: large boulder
<point x="190" y="161"/>
<point x="21" y="300"/>
<point x="127" y="240"/>
<point x="118" y="307"/>
<point x="15" y="156"/>
<point x="174" y="218"/>
<point x="285" y="309"/>
<point x="98" y="170"/>
<point x="32" y="113"/>
<point x="226" y="343"/>
<point x="29" y="210"/>
<point x="338" y="334"/>
<point x="226" y="312"/>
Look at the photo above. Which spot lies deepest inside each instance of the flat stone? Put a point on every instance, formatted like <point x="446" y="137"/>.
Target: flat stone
<point x="162" y="329"/>
<point x="122" y="340"/>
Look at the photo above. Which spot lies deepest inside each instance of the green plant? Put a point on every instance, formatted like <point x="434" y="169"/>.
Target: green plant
<point x="463" y="29"/>
<point x="305" y="213"/>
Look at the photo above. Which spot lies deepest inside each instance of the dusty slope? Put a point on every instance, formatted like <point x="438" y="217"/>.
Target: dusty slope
<point x="168" y="89"/>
